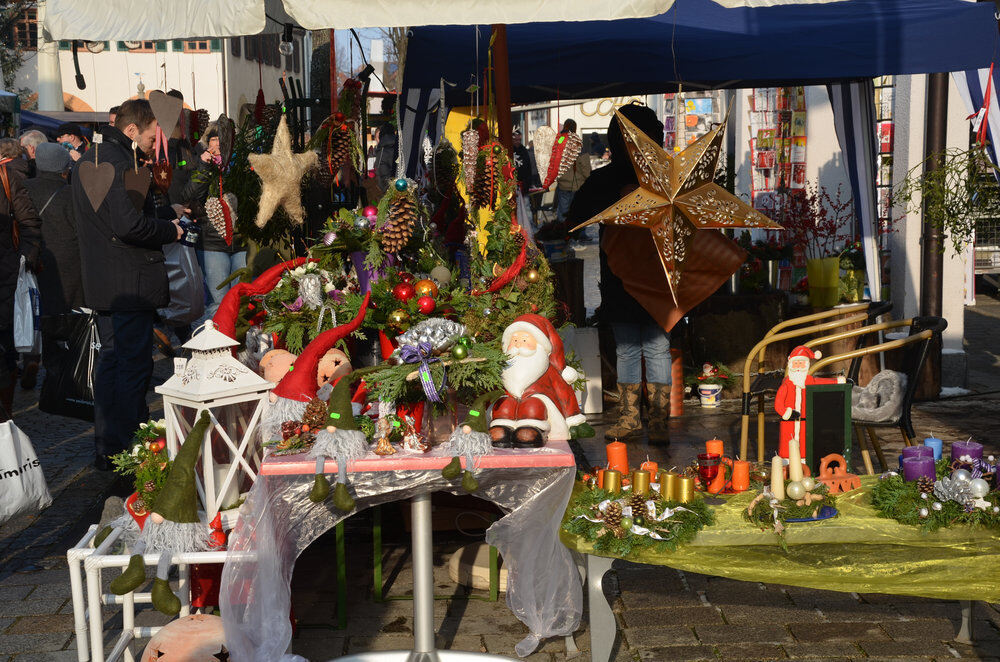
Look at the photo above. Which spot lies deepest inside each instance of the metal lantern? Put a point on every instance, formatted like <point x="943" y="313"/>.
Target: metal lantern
<point x="235" y="396"/>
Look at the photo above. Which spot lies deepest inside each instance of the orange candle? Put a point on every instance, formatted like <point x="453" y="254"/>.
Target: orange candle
<point x="618" y="457"/>
<point x="649" y="466"/>
<point x="741" y="476"/>
<point x="714" y="446"/>
<point x="600" y="478"/>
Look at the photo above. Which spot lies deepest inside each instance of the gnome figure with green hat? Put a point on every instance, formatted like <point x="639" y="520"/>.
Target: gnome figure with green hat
<point x="472" y="440"/>
<point x="341" y="440"/>
<point x="173" y="526"/>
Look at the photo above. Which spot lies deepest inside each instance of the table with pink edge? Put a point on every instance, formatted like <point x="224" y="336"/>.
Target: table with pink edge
<point x="278" y="521"/>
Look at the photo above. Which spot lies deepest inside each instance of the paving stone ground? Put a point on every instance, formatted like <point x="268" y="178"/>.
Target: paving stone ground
<point x="662" y="614"/>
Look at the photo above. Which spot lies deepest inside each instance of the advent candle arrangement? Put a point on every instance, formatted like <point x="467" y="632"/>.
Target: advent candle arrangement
<point x="966" y="449"/>
<point x="915" y="467"/>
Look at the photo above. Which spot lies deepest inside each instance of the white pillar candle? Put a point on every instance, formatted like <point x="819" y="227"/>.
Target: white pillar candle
<point x="777" y="477"/>
<point x="232" y="493"/>
<point x="794" y="460"/>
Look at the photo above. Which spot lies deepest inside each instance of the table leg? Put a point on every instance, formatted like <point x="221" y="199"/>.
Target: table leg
<point x="603" y="627"/>
<point x="965" y="635"/>
<point x="423" y="581"/>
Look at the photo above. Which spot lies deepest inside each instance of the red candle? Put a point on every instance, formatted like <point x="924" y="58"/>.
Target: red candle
<point x="714" y="446"/>
<point x="618" y="457"/>
<point x="600" y="478"/>
<point x="649" y="466"/>
<point x="741" y="476"/>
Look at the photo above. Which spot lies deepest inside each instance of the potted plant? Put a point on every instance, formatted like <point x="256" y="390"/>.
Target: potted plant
<point x="709" y="384"/>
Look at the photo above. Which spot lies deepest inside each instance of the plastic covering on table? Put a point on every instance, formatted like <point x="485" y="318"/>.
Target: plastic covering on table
<point x="278" y="521"/>
<point x="858" y="551"/>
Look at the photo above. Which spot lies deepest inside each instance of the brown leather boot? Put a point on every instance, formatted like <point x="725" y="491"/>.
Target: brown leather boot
<point x="659" y="413"/>
<point x="629" y="424"/>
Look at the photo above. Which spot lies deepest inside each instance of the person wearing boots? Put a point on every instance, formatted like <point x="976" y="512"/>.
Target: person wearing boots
<point x="637" y="336"/>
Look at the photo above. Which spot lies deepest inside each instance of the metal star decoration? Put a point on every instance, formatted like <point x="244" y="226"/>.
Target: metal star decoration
<point x="677" y="197"/>
<point x="280" y="175"/>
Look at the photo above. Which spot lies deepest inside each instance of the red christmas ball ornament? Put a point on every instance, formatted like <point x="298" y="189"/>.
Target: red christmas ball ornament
<point x="406" y="277"/>
<point x="404" y="292"/>
<point x="158" y="444"/>
<point x="338" y="117"/>
<point x="426" y="305"/>
<point x="369" y="212"/>
<point x="426" y="287"/>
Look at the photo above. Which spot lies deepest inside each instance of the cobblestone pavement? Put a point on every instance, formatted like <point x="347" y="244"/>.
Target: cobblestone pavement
<point x="663" y="614"/>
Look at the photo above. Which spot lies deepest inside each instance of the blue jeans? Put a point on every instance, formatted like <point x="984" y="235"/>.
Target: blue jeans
<point x="217" y="266"/>
<point x="124" y="368"/>
<point x="642" y="341"/>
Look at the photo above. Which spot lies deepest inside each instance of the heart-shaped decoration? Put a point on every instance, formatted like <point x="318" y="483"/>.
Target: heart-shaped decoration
<point x="96" y="181"/>
<point x="137" y="185"/>
<point x="163" y="174"/>
<point x="167" y="110"/>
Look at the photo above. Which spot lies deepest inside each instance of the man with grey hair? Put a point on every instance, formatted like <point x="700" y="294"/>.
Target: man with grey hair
<point x="30" y="140"/>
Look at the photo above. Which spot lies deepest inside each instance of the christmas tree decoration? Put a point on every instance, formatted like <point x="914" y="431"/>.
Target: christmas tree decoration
<point x="565" y="151"/>
<point x="281" y="174"/>
<point x="401" y="184"/>
<point x="470" y="150"/>
<point x="532" y="276"/>
<point x="426" y="287"/>
<point x="398" y="319"/>
<point x="441" y="275"/>
<point x="398" y="213"/>
<point x="370" y="212"/>
<point x="426" y="305"/>
<point x="404" y="292"/>
<point x="340" y="440"/>
<point x="676" y="199"/>
<point x="221" y="212"/>
<point x="459" y="352"/>
<point x="544" y="141"/>
<point x="445" y="167"/>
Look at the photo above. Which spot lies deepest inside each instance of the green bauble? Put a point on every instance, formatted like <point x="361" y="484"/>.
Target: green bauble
<point x="466" y="341"/>
<point x="639" y="520"/>
<point x="627" y="523"/>
<point x="401" y="185"/>
<point x="459" y="352"/>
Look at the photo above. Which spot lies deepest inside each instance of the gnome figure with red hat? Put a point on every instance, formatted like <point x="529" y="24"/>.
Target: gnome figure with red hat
<point x="540" y="400"/>
<point x="790" y="402"/>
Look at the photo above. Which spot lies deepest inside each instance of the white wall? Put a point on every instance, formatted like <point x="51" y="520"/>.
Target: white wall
<point x="244" y="81"/>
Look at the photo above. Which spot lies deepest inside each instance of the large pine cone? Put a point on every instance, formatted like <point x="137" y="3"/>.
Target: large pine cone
<point x="484" y="189"/>
<point x="638" y="504"/>
<point x="315" y="414"/>
<point x="400" y="219"/>
<point x="613" y="515"/>
<point x="338" y="150"/>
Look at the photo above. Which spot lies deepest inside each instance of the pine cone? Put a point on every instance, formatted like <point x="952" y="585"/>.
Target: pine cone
<point x="925" y="484"/>
<point x="638" y="504"/>
<point x="484" y="187"/>
<point x="613" y="515"/>
<point x="338" y="150"/>
<point x="400" y="219"/>
<point x="289" y="429"/>
<point x="149" y="487"/>
<point x="315" y="414"/>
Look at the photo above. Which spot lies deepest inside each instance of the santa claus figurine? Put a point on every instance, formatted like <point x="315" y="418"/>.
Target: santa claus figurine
<point x="790" y="402"/>
<point x="540" y="400"/>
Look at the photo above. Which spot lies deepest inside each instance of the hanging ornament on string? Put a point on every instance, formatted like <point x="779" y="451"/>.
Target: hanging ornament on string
<point x="397" y="215"/>
<point x="565" y="151"/>
<point x="544" y="140"/>
<point x="221" y="212"/>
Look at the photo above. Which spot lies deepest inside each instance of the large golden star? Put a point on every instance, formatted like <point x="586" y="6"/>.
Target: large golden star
<point x="280" y="175"/>
<point x="677" y="197"/>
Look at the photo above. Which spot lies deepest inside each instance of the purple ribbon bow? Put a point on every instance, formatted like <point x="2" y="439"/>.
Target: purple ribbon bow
<point x="422" y="353"/>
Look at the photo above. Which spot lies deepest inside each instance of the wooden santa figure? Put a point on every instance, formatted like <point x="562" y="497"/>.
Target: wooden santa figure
<point x="540" y="400"/>
<point x="790" y="402"/>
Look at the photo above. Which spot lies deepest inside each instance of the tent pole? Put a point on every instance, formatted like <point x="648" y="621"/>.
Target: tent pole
<point x="501" y="85"/>
<point x="932" y="257"/>
<point x="333" y="71"/>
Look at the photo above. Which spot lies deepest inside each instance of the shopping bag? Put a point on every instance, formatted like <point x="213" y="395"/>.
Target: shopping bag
<point x="187" y="289"/>
<point x="22" y="483"/>
<point x="71" y="365"/>
<point x="27" y="309"/>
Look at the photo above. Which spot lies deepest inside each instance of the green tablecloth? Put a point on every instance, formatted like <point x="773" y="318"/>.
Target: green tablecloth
<point x="856" y="551"/>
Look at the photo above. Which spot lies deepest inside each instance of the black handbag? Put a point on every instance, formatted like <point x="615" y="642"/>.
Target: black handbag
<point x="68" y="389"/>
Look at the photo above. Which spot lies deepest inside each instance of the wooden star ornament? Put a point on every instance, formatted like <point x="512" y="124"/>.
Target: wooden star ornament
<point x="281" y="174"/>
<point x="676" y="198"/>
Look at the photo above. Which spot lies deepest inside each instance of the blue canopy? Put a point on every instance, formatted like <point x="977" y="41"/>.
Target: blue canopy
<point x="705" y="45"/>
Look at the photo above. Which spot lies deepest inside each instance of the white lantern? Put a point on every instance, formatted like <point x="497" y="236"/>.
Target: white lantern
<point x="235" y="397"/>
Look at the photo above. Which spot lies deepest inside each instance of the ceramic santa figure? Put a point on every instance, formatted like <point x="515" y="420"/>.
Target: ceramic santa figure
<point x="540" y="400"/>
<point x="790" y="402"/>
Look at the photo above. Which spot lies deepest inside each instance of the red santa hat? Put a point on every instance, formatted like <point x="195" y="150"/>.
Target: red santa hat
<point x="229" y="308"/>
<point x="300" y="383"/>
<point x="545" y="334"/>
<point x="806" y="352"/>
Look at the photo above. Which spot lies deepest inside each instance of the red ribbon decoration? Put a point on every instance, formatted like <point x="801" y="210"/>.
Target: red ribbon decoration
<point x="226" y="214"/>
<point x="555" y="161"/>
<point x="512" y="271"/>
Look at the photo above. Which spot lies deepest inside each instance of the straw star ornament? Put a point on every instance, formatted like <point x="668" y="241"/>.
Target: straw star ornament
<point x="677" y="197"/>
<point x="280" y="175"/>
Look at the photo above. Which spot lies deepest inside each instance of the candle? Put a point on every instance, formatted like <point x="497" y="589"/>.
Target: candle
<point x="936" y="445"/>
<point x="917" y="451"/>
<point x="915" y="467"/>
<point x="640" y="482"/>
<point x="741" y="476"/>
<point x="232" y="493"/>
<point x="650" y="466"/>
<point x="714" y="446"/>
<point x="960" y="449"/>
<point x="778" y="477"/>
<point x="600" y="478"/>
<point x="685" y="489"/>
<point x="668" y="485"/>
<point x="613" y="481"/>
<point x="618" y="457"/>
<point x="794" y="461"/>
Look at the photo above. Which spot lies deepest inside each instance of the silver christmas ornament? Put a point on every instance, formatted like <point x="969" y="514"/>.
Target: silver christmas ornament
<point x="924" y="512"/>
<point x="924" y="495"/>
<point x="439" y="332"/>
<point x="311" y="290"/>
<point x="979" y="488"/>
<point x="936" y="505"/>
<point x="361" y="223"/>
<point x="961" y="475"/>
<point x="951" y="489"/>
<point x="329" y="238"/>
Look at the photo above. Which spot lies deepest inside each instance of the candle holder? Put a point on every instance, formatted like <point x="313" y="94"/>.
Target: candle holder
<point x="708" y="467"/>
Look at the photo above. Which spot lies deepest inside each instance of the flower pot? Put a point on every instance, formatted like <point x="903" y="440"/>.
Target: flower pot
<point x="709" y="394"/>
<point x="824" y="281"/>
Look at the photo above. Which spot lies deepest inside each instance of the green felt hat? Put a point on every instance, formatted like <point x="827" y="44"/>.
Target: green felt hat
<point x="477" y="416"/>
<point x="341" y="414"/>
<point x="178" y="498"/>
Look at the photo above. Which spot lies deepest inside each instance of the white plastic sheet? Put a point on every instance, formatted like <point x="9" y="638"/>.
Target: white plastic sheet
<point x="277" y="522"/>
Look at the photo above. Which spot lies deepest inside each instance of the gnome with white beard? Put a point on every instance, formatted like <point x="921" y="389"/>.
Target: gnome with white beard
<point x="540" y="401"/>
<point x="790" y="401"/>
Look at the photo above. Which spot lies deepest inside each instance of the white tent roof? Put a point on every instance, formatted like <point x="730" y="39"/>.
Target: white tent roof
<point x="136" y="20"/>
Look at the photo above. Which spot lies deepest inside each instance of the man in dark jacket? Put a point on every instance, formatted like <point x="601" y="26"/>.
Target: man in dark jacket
<point x="124" y="278"/>
<point x="20" y="235"/>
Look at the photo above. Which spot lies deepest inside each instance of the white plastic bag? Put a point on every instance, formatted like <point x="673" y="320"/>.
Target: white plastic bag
<point x="22" y="483"/>
<point x="27" y="310"/>
<point x="187" y="288"/>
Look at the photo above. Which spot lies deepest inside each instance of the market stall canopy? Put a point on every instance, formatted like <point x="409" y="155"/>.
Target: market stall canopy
<point x="706" y="45"/>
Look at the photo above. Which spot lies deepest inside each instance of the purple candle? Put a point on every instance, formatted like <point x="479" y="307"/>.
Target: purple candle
<point x="960" y="449"/>
<point x="915" y="467"/>
<point x="917" y="451"/>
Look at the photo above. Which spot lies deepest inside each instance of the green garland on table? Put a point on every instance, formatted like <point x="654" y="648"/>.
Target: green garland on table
<point x="762" y="515"/>
<point x="894" y="498"/>
<point x="611" y="539"/>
